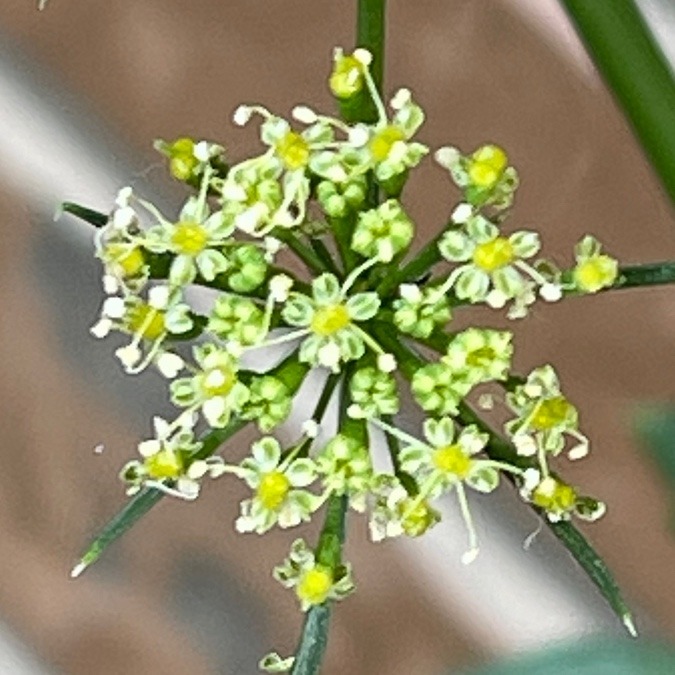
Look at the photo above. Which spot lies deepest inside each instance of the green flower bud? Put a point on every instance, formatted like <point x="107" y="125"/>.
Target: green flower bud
<point x="383" y="232"/>
<point x="248" y="268"/>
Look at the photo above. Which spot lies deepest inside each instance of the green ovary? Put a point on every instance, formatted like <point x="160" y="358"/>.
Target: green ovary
<point x="494" y="255"/>
<point x="383" y="141"/>
<point x="329" y="320"/>
<point x="189" y="238"/>
<point x="479" y="358"/>
<point x="453" y="460"/>
<point x="273" y="488"/>
<point x="147" y="321"/>
<point x="164" y="464"/>
<point x="314" y="586"/>
<point x="554" y="496"/>
<point x="293" y="150"/>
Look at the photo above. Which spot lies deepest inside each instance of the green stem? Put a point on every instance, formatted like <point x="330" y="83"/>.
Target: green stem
<point x="632" y="64"/>
<point x="325" y="255"/>
<point x="370" y="35"/>
<point x="650" y="274"/>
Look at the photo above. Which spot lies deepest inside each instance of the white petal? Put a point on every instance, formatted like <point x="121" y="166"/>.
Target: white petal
<point x="101" y="328"/>
<point x="386" y="363"/>
<point x="149" y="448"/>
<point x="242" y="115"/>
<point x="158" y="297"/>
<point x="304" y="114"/>
<point x="129" y="356"/>
<point x="113" y="308"/>
<point x="169" y="364"/>
<point x="462" y="213"/>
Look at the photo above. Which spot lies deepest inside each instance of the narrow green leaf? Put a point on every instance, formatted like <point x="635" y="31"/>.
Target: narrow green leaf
<point x="626" y="54"/>
<point x="596" y="568"/>
<point x="95" y="218"/>
<point x="144" y="500"/>
<point x="290" y="372"/>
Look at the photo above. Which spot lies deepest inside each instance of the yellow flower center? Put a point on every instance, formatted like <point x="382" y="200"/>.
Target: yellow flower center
<point x="314" y="585"/>
<point x="347" y="77"/>
<point x="219" y="381"/>
<point x="552" y="495"/>
<point x="329" y="320"/>
<point x="416" y="522"/>
<point x="551" y="412"/>
<point x="595" y="273"/>
<point x="381" y="144"/>
<point x="293" y="150"/>
<point x="147" y="321"/>
<point x="492" y="255"/>
<point x="487" y="166"/>
<point x="129" y="259"/>
<point x="273" y="488"/>
<point x="452" y="459"/>
<point x="164" y="464"/>
<point x="189" y="238"/>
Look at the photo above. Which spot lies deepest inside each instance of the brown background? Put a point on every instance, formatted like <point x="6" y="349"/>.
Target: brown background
<point x="163" y="68"/>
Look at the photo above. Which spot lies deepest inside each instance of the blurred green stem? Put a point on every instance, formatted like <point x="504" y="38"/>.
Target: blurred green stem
<point x="632" y="64"/>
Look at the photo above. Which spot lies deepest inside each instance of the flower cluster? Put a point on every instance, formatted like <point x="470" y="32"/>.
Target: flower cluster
<point x="328" y="191"/>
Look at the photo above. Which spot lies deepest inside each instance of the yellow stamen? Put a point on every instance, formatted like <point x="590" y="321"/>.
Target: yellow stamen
<point x="555" y="496"/>
<point x="219" y="381"/>
<point x="551" y="412"/>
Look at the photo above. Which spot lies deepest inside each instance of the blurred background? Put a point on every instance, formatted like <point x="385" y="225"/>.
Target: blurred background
<point x="85" y="87"/>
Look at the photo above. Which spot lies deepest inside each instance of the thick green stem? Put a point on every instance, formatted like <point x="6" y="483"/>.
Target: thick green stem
<point x="650" y="274"/>
<point x="632" y="64"/>
<point x="370" y="34"/>
<point x="314" y="639"/>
